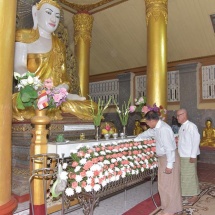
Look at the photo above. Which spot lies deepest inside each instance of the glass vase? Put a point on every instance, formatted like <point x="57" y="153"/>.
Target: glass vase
<point x="124" y="130"/>
<point x="97" y="132"/>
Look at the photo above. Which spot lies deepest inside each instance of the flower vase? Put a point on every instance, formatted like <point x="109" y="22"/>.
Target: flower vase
<point x="124" y="130"/>
<point x="97" y="135"/>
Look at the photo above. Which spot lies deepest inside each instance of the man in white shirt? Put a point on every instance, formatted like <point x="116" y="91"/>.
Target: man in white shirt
<point x="168" y="163"/>
<point x="188" y="148"/>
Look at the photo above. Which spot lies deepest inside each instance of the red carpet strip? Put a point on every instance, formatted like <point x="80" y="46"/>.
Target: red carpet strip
<point x="145" y="207"/>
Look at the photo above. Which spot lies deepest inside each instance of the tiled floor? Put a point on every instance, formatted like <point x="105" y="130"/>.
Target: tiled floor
<point x="117" y="205"/>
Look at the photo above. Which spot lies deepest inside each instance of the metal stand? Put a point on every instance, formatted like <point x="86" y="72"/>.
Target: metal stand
<point x="88" y="201"/>
<point x="153" y="176"/>
<point x="44" y="173"/>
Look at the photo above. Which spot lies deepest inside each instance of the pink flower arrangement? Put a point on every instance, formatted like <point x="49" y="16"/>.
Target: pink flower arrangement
<point x="94" y="168"/>
<point x="39" y="95"/>
<point x="140" y="105"/>
<point x="159" y="109"/>
<point x="49" y="96"/>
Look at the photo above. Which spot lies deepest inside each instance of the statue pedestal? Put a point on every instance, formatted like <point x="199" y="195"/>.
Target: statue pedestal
<point x="207" y="154"/>
<point x="21" y="140"/>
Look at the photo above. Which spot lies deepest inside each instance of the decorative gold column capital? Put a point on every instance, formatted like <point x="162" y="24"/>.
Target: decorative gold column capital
<point x="83" y="24"/>
<point x="156" y="8"/>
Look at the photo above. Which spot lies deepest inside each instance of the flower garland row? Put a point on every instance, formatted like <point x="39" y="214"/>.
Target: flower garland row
<point x="93" y="168"/>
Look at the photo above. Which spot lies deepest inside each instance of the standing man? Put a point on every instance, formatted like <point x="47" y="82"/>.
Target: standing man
<point x="168" y="163"/>
<point x="188" y="148"/>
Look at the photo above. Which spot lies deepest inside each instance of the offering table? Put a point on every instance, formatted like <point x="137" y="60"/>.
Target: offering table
<point x="119" y="164"/>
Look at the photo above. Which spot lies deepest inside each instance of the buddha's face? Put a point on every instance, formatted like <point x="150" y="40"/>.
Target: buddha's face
<point x="208" y="124"/>
<point x="48" y="17"/>
<point x="137" y="123"/>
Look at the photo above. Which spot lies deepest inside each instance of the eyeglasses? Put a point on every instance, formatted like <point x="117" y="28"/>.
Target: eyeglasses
<point x="179" y="114"/>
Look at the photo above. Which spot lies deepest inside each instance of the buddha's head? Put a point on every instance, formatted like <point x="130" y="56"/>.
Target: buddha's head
<point x="208" y="123"/>
<point x="46" y="15"/>
<point x="137" y="123"/>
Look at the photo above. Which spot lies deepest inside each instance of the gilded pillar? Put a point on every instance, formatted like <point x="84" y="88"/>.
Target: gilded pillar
<point x="39" y="146"/>
<point x="7" y="31"/>
<point x="156" y="20"/>
<point x="83" y="23"/>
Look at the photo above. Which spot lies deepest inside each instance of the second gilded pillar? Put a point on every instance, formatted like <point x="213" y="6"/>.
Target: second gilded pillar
<point x="156" y="19"/>
<point x="83" y="23"/>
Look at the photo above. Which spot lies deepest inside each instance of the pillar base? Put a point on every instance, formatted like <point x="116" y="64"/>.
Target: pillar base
<point x="38" y="209"/>
<point x="22" y="198"/>
<point x="9" y="207"/>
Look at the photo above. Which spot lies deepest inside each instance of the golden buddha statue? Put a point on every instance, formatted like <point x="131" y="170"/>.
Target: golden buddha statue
<point x="39" y="51"/>
<point x="137" y="128"/>
<point x="208" y="135"/>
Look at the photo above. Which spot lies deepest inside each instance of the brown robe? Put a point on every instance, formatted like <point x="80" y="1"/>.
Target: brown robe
<point x="169" y="185"/>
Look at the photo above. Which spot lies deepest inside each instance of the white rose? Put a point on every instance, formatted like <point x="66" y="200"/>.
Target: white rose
<point x="97" y="187"/>
<point x="77" y="168"/>
<point x="88" y="188"/>
<point x="16" y="75"/>
<point x="65" y="165"/>
<point x="24" y="82"/>
<point x="87" y="155"/>
<point x="78" y="189"/>
<point x="30" y="80"/>
<point x="89" y="180"/>
<point x="69" y="191"/>
<point x="83" y="161"/>
<point x="63" y="175"/>
<point x="96" y="180"/>
<point x="113" y="160"/>
<point x="89" y="173"/>
<point x="78" y="178"/>
<point x="104" y="183"/>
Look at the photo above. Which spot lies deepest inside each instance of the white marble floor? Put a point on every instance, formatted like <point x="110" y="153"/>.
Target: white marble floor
<point x="115" y="205"/>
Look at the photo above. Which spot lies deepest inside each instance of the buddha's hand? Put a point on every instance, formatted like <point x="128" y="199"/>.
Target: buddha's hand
<point x="62" y="86"/>
<point x="75" y="97"/>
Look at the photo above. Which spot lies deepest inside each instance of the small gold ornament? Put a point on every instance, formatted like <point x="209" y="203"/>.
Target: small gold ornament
<point x="82" y="136"/>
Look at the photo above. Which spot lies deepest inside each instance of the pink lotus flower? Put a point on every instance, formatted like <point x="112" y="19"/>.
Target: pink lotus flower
<point x="132" y="108"/>
<point x="72" y="176"/>
<point x="81" y="154"/>
<point x="95" y="160"/>
<point x="96" y="173"/>
<point x="145" y="109"/>
<point x="74" y="184"/>
<point x="90" y="151"/>
<point x="83" y="184"/>
<point x="57" y="97"/>
<point x="74" y="164"/>
<point x="88" y="165"/>
<point x="83" y="174"/>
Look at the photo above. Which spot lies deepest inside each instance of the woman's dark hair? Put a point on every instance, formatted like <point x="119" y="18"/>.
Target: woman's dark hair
<point x="152" y="115"/>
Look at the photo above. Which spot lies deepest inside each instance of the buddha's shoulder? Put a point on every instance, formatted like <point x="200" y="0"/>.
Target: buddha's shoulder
<point x="58" y="42"/>
<point x="27" y="35"/>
